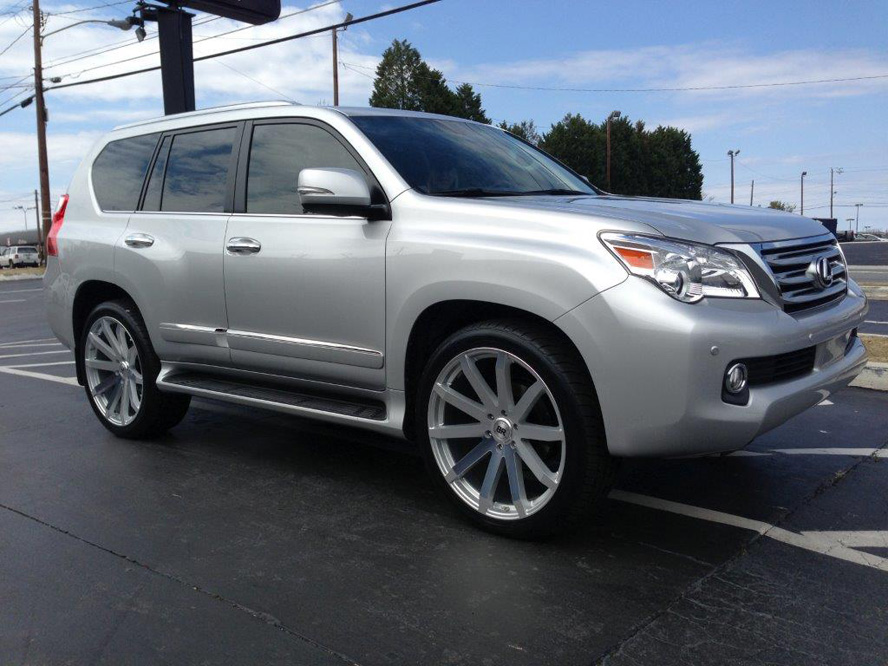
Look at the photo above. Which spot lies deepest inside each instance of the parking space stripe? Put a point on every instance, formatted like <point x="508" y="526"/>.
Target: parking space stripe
<point x="41" y="353"/>
<point x="19" y="291"/>
<point x="33" y="344"/>
<point x="69" y="381"/>
<point x="20" y="300"/>
<point x="22" y="342"/>
<point x="817" y="542"/>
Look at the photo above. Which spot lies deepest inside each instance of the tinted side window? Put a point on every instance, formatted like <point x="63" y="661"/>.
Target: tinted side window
<point x="277" y="155"/>
<point x="197" y="171"/>
<point x="119" y="170"/>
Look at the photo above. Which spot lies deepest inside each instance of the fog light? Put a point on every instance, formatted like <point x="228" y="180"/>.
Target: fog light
<point x="736" y="379"/>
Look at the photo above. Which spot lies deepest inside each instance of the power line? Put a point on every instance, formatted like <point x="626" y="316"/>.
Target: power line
<point x="343" y="24"/>
<point x="87" y="9"/>
<point x="12" y="43"/>
<point x="661" y="89"/>
<point x="196" y="41"/>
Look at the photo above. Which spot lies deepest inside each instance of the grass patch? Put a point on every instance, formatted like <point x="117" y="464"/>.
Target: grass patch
<point x="877" y="347"/>
<point x="7" y="272"/>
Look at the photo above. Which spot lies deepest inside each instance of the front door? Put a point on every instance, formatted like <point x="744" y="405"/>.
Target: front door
<point x="305" y="293"/>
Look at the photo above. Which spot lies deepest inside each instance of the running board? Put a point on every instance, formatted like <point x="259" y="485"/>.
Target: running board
<point x="275" y="398"/>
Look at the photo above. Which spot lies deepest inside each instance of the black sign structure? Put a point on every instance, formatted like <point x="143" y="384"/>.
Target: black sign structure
<point x="176" y="49"/>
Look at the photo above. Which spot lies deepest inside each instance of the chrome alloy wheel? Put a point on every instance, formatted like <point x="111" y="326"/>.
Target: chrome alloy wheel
<point x="478" y="431"/>
<point x="113" y="371"/>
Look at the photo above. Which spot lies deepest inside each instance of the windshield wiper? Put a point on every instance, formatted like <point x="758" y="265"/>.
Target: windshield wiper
<point x="554" y="190"/>
<point x="471" y="192"/>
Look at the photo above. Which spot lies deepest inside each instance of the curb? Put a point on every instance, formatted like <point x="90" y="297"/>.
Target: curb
<point x="874" y="376"/>
<point x="17" y="278"/>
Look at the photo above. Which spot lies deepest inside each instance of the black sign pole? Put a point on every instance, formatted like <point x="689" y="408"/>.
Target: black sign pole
<point x="176" y="59"/>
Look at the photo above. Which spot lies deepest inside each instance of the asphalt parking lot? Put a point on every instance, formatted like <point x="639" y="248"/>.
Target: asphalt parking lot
<point x="252" y="538"/>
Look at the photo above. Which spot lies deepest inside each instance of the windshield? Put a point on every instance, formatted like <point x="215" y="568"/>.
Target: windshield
<point x="454" y="158"/>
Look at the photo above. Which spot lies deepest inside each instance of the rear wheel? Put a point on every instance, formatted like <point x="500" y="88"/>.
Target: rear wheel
<point x="511" y="429"/>
<point x="121" y="368"/>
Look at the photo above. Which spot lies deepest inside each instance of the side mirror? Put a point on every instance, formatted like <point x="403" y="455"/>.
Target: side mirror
<point x="333" y="187"/>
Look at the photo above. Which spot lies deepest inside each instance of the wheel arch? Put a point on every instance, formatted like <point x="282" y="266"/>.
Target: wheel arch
<point x="440" y="320"/>
<point x="88" y="295"/>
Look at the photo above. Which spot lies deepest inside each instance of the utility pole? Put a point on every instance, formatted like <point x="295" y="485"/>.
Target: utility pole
<point x="751" y="191"/>
<point x="613" y="116"/>
<point x="348" y="17"/>
<point x="40" y="106"/>
<point x="857" y="222"/>
<point x="732" y="154"/>
<point x="802" y="211"/>
<point x="832" y="189"/>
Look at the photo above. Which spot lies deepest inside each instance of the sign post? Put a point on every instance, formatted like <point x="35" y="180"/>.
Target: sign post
<point x="176" y="49"/>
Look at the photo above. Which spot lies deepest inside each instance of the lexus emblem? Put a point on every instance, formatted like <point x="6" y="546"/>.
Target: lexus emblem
<point x="821" y="272"/>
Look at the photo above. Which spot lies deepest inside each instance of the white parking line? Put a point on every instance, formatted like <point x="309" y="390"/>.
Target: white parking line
<point x="19" y="291"/>
<point x="69" y="381"/>
<point x="33" y="344"/>
<point x="20" y="300"/>
<point x="817" y="542"/>
<point x="24" y="342"/>
<point x="881" y="323"/>
<point x="834" y="451"/>
<point x="43" y="353"/>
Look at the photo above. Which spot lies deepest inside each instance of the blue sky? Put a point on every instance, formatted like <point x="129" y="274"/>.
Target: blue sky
<point x="508" y="48"/>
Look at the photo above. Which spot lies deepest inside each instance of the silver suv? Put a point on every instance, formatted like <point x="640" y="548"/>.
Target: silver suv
<point x="443" y="281"/>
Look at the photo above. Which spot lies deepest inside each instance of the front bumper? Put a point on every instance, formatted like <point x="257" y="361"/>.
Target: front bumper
<point x="659" y="380"/>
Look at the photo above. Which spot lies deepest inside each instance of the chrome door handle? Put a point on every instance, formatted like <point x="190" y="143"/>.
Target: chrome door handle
<point x="139" y="240"/>
<point x="242" y="245"/>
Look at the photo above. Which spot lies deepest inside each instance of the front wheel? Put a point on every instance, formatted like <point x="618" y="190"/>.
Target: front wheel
<point x="120" y="368"/>
<point x="511" y="430"/>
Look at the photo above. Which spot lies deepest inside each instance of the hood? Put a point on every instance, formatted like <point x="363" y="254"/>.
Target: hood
<point x="681" y="218"/>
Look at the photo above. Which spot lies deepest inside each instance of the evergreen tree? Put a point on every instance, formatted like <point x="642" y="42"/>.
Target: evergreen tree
<point x="468" y="104"/>
<point x="397" y="84"/>
<point x="526" y="129"/>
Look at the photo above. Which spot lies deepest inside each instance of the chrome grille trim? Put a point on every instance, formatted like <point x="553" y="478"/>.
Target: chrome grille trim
<point x="788" y="262"/>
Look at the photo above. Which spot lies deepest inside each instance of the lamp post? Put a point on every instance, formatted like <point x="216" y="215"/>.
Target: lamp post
<point x="348" y="17"/>
<point x="802" y="207"/>
<point x="40" y="106"/>
<point x="832" y="189"/>
<point x="25" y="210"/>
<point x="732" y="154"/>
<point x="857" y="219"/>
<point x="613" y="116"/>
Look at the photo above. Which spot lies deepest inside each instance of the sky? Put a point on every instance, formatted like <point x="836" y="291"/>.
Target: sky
<point x="528" y="59"/>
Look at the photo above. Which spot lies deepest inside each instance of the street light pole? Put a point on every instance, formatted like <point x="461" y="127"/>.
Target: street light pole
<point x="832" y="189"/>
<point x="348" y="17"/>
<point x="802" y="211"/>
<point x="751" y="191"/>
<point x="613" y="116"/>
<point x="857" y="219"/>
<point x="732" y="154"/>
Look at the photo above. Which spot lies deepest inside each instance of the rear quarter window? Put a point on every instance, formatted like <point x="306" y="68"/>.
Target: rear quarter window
<point x="119" y="171"/>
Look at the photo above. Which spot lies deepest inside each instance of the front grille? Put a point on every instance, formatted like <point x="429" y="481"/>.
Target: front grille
<point x="790" y="261"/>
<point x="764" y="370"/>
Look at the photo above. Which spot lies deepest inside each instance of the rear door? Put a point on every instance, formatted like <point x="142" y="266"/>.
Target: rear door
<point x="310" y="300"/>
<point x="170" y="254"/>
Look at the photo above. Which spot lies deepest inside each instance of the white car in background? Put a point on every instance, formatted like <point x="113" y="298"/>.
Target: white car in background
<point x="19" y="255"/>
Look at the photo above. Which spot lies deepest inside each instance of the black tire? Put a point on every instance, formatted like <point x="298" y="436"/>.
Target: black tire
<point x="588" y="468"/>
<point x="159" y="411"/>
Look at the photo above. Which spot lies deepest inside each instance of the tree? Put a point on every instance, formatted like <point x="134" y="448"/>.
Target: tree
<point x="396" y="84"/>
<point x="659" y="163"/>
<point x="468" y="104"/>
<point x="782" y="205"/>
<point x="405" y="81"/>
<point x="526" y="129"/>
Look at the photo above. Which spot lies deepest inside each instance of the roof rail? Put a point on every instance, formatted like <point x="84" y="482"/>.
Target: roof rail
<point x="209" y="111"/>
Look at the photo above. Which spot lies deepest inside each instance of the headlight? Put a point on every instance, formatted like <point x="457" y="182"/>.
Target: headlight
<point x="686" y="271"/>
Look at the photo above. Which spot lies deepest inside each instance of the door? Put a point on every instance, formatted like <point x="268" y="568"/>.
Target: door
<point x="171" y="251"/>
<point x="305" y="292"/>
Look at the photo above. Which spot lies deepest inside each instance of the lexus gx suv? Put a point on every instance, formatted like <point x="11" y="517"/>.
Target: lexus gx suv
<point x="442" y="281"/>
